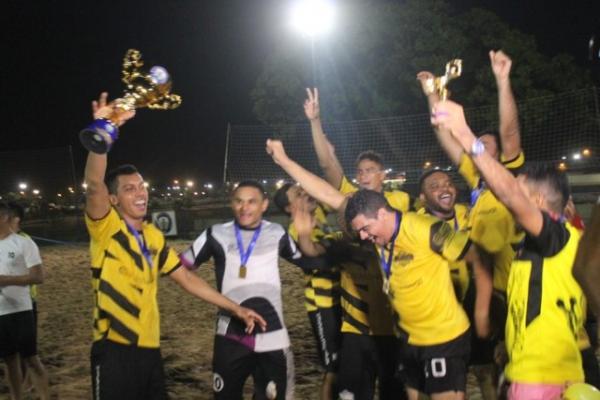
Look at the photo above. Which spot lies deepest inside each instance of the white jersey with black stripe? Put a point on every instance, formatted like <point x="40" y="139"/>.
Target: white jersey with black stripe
<point x="259" y="289"/>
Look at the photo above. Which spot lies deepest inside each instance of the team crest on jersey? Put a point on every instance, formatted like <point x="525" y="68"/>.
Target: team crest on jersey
<point x="218" y="383"/>
<point x="403" y="258"/>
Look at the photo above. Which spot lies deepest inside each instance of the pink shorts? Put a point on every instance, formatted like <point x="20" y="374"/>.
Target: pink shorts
<point x="533" y="391"/>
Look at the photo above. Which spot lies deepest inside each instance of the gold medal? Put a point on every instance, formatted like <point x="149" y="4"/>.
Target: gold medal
<point x="243" y="271"/>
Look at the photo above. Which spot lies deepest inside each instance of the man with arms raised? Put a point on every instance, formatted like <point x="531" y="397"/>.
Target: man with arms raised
<point x="127" y="256"/>
<point x="370" y="170"/>
<point x="546" y="305"/>
<point x="246" y="253"/>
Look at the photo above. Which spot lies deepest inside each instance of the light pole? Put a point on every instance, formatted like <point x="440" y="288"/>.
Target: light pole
<point x="313" y="18"/>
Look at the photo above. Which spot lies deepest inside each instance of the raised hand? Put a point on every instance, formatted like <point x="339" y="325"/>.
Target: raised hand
<point x="250" y="318"/>
<point x="426" y="79"/>
<point x="450" y="116"/>
<point x="276" y="150"/>
<point x="102" y="109"/>
<point x="303" y="220"/>
<point x="501" y="65"/>
<point x="311" y="104"/>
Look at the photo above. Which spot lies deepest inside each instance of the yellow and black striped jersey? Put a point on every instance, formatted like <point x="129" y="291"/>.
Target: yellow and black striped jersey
<point x="125" y="285"/>
<point x="546" y="309"/>
<point x="459" y="270"/>
<point x="492" y="226"/>
<point x="322" y="287"/>
<point x="365" y="307"/>
<point x="420" y="287"/>
<point x="397" y="199"/>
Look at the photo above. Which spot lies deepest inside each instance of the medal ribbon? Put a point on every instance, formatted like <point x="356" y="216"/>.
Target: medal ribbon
<point x="245" y="255"/>
<point x="386" y="265"/>
<point x="142" y="243"/>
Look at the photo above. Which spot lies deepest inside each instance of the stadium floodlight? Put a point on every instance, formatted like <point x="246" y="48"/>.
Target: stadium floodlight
<point x="189" y="184"/>
<point x="22" y="185"/>
<point x="312" y="17"/>
<point x="577" y="156"/>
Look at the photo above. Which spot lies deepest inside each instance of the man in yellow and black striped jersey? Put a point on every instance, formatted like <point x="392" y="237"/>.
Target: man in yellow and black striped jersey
<point x="546" y="305"/>
<point x="440" y="321"/>
<point x="322" y="288"/>
<point x="370" y="170"/>
<point x="127" y="257"/>
<point x="368" y="342"/>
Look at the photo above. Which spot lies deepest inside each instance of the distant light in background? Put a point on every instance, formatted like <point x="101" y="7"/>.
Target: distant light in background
<point x="70" y="189"/>
<point x="22" y="185"/>
<point x="35" y="192"/>
<point x="563" y="158"/>
<point x="146" y="184"/>
<point x="562" y="166"/>
<point x="586" y="152"/>
<point x="312" y="17"/>
<point x="577" y="156"/>
<point x="279" y="183"/>
<point x="189" y="184"/>
<point x="59" y="194"/>
<point x="208" y="185"/>
<point x="427" y="165"/>
<point x="84" y="185"/>
<point x="175" y="182"/>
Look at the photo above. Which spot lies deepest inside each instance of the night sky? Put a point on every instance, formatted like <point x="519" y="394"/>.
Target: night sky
<point x="58" y="55"/>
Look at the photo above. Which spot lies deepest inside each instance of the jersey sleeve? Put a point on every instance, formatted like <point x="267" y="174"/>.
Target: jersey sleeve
<point x="515" y="164"/>
<point x="168" y="260"/>
<point x="346" y="187"/>
<point x="450" y="244"/>
<point x="103" y="227"/>
<point x="199" y="252"/>
<point x="31" y="253"/>
<point x="468" y="170"/>
<point x="552" y="238"/>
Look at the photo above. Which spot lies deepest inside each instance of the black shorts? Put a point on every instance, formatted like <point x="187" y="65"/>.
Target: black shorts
<point x="365" y="359"/>
<point x="438" y="368"/>
<point x="325" y="323"/>
<point x="233" y="363"/>
<point x="126" y="372"/>
<point x="17" y="334"/>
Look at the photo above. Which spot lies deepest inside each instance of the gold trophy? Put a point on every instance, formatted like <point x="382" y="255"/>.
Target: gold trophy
<point x="143" y="89"/>
<point x="439" y="84"/>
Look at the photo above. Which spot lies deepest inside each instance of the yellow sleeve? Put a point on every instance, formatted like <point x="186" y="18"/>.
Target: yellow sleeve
<point x="103" y="228"/>
<point x="398" y="200"/>
<point x="450" y="244"/>
<point x="468" y="170"/>
<point x="346" y="187"/>
<point x="515" y="163"/>
<point x="168" y="260"/>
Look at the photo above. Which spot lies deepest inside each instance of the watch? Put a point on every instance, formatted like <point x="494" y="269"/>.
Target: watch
<point x="477" y="148"/>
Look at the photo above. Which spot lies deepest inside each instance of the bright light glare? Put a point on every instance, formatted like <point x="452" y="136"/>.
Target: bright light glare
<point x="577" y="156"/>
<point x="22" y="186"/>
<point x="312" y="17"/>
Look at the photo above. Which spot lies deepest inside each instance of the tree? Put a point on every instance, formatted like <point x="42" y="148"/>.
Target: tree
<point x="368" y="69"/>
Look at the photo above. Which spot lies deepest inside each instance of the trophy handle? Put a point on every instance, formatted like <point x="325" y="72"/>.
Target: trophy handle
<point x="99" y="136"/>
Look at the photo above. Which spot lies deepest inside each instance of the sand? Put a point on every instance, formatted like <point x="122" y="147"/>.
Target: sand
<point x="187" y="328"/>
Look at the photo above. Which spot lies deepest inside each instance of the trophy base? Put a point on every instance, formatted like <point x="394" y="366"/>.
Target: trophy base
<point x="99" y="136"/>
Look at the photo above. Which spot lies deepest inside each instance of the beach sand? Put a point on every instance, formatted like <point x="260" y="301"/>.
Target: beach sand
<point x="187" y="329"/>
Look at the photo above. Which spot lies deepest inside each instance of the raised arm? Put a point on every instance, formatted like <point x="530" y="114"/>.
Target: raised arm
<point x="586" y="269"/>
<point x="452" y="148"/>
<point x="450" y="116"/>
<point x="97" y="202"/>
<point x="325" y="152"/>
<point x="304" y="222"/>
<point x="312" y="184"/>
<point x="510" y="134"/>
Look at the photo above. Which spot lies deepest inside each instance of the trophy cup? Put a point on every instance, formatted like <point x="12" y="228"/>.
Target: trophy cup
<point x="143" y="89"/>
<point x="439" y="84"/>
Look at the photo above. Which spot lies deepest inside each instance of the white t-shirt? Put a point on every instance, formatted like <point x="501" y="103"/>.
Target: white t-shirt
<point x="17" y="255"/>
